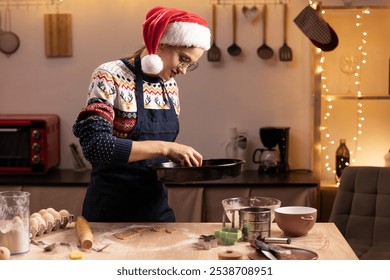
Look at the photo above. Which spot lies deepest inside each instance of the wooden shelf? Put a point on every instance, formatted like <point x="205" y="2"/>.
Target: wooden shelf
<point x="249" y="3"/>
<point x="354" y="97"/>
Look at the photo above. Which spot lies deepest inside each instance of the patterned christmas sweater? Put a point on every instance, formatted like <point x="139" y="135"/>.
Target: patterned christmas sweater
<point x="104" y="125"/>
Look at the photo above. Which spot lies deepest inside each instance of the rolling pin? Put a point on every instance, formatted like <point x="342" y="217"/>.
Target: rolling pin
<point x="84" y="233"/>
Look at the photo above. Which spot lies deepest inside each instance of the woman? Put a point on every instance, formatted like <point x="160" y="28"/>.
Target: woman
<point x="131" y="120"/>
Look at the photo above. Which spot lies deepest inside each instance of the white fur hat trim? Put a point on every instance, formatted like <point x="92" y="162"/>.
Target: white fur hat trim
<point x="187" y="34"/>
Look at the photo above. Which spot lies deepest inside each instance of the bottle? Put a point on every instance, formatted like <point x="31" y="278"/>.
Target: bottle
<point x="387" y="158"/>
<point x="342" y="159"/>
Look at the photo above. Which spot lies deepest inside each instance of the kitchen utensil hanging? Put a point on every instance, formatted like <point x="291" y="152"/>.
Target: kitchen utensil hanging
<point x="234" y="49"/>
<point x="264" y="51"/>
<point x="9" y="41"/>
<point x="1" y="30"/>
<point x="214" y="53"/>
<point x="285" y="52"/>
<point x="250" y="13"/>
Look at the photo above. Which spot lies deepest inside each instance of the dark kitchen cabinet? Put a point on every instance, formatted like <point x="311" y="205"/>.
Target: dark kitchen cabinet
<point x="192" y="202"/>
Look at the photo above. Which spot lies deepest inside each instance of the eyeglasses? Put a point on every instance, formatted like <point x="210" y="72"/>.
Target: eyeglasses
<point x="185" y="62"/>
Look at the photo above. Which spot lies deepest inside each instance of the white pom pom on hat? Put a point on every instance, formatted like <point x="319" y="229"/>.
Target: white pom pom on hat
<point x="172" y="27"/>
<point x="151" y="64"/>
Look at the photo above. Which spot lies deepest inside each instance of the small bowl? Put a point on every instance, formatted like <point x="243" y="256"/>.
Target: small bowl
<point x="295" y="221"/>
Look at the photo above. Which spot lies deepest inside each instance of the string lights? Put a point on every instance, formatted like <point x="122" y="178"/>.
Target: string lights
<point x="355" y="67"/>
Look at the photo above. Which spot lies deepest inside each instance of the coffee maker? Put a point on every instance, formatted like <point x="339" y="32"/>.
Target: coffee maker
<point x="274" y="157"/>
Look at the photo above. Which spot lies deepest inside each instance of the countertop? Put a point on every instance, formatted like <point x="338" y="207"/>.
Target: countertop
<point x="69" y="177"/>
<point x="182" y="243"/>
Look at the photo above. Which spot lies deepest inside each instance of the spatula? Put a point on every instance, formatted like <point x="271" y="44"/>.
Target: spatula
<point x="214" y="53"/>
<point x="285" y="52"/>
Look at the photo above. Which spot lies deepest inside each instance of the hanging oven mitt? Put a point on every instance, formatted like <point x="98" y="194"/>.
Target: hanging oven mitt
<point x="317" y="29"/>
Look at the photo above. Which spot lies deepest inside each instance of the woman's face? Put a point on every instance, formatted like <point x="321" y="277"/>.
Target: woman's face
<point x="178" y="60"/>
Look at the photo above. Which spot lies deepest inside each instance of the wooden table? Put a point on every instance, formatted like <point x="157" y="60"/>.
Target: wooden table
<point x="324" y="239"/>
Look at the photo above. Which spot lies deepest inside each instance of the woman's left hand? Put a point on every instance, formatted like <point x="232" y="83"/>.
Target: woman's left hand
<point x="178" y="153"/>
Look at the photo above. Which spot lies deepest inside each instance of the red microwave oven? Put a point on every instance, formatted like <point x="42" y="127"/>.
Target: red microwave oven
<point x="29" y="144"/>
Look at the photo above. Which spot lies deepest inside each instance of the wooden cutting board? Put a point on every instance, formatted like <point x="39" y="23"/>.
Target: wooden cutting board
<point x="58" y="35"/>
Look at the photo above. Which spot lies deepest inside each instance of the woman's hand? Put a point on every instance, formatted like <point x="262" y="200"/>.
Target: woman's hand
<point x="178" y="153"/>
<point x="183" y="155"/>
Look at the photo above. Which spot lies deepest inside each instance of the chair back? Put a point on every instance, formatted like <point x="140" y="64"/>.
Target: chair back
<point x="361" y="210"/>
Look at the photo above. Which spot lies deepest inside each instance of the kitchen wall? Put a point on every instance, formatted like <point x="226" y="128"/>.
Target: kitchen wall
<point x="244" y="92"/>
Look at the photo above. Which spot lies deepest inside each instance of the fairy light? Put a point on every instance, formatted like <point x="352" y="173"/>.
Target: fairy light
<point x="327" y="115"/>
<point x="359" y="105"/>
<point x="327" y="139"/>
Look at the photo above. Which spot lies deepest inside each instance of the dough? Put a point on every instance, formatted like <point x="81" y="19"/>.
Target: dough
<point x="140" y="229"/>
<point x="171" y="230"/>
<point x="127" y="234"/>
<point x="158" y="229"/>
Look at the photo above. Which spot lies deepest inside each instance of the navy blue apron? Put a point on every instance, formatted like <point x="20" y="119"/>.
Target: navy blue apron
<point x="130" y="192"/>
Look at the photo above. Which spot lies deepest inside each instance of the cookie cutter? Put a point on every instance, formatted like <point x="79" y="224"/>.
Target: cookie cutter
<point x="207" y="241"/>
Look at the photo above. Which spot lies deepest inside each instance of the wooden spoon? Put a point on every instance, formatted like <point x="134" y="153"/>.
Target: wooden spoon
<point x="234" y="49"/>
<point x="264" y="51"/>
<point x="285" y="52"/>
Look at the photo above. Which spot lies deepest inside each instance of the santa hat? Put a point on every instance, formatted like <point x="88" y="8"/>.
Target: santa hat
<point x="172" y="27"/>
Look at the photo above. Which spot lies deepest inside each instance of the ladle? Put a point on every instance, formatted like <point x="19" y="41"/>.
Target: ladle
<point x="234" y="49"/>
<point x="264" y="51"/>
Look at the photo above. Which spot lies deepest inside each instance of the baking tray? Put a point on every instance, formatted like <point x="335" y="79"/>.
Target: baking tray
<point x="211" y="169"/>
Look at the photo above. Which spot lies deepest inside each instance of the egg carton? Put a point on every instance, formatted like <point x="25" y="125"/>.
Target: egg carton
<point x="48" y="220"/>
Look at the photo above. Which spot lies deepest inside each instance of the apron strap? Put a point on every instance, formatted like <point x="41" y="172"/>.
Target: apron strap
<point x="137" y="70"/>
<point x="139" y="84"/>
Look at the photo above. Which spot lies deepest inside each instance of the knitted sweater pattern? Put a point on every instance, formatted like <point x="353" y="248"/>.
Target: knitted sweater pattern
<point x="105" y="124"/>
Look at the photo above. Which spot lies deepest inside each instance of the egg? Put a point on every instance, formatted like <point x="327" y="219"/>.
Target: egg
<point x="5" y="254"/>
<point x="55" y="213"/>
<point x="64" y="217"/>
<point x="49" y="218"/>
<point x="64" y="214"/>
<point x="50" y="222"/>
<point x="17" y="220"/>
<point x="34" y="227"/>
<point x="57" y="217"/>
<point x="41" y="224"/>
<point x="34" y="223"/>
<point x="43" y="212"/>
<point x="35" y="214"/>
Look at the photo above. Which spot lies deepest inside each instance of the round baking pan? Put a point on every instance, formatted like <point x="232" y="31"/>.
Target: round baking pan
<point x="211" y="169"/>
